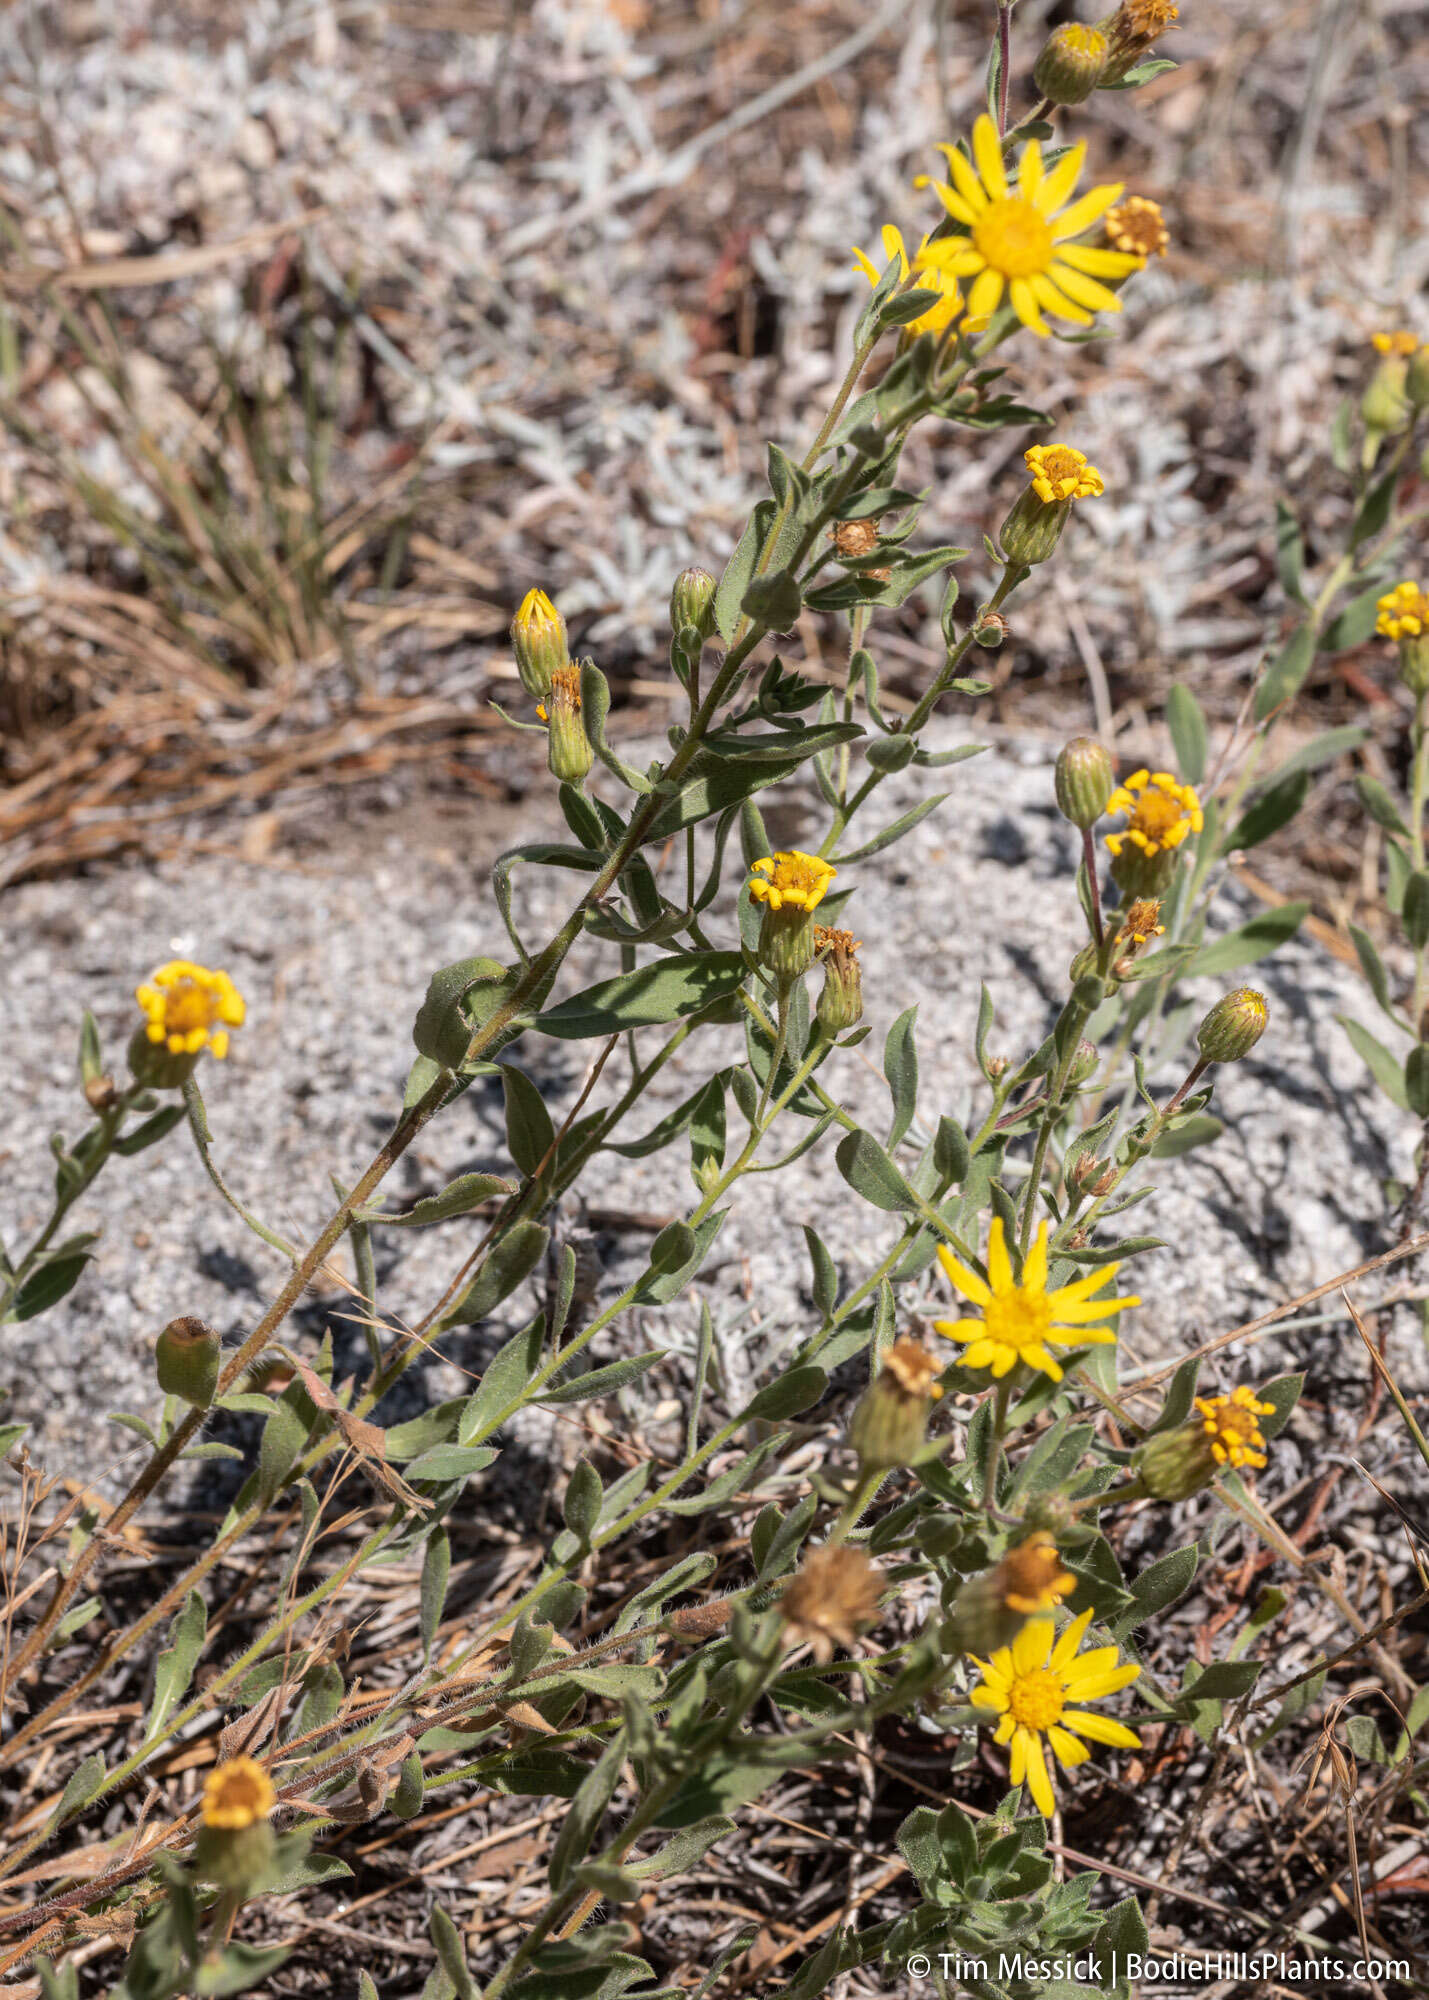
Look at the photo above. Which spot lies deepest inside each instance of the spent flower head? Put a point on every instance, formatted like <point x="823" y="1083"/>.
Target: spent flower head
<point x="930" y="273"/>
<point x="841" y="1001"/>
<point x="1138" y="227"/>
<point x="188" y="1008"/>
<point x="831" y="1598"/>
<point x="1022" y="1320"/>
<point x="1032" y="1686"/>
<point x="1020" y="234"/>
<point x="891" y="1419"/>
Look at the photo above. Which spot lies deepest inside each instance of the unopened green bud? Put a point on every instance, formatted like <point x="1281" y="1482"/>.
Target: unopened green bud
<point x="1414" y="664"/>
<point x="538" y="639"/>
<point x="1084" y="780"/>
<point x="1233" y="1027"/>
<point x="1084" y="1063"/>
<point x="841" y="1002"/>
<point x="1071" y="63"/>
<point x="1175" y="1465"/>
<point x="890" y="1422"/>
<point x="186" y="1357"/>
<point x="692" y="602"/>
<point x="1385" y="404"/>
<point x="568" y="752"/>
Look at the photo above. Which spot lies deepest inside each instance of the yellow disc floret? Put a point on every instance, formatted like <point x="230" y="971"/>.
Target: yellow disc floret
<point x="1403" y="613"/>
<point x="1019" y="238"/>
<point x="1401" y="343"/>
<point x="930" y="272"/>
<point x="187" y="1007"/>
<point x="1031" y="1686"/>
<point x="1161" y="813"/>
<point x="1024" y="1321"/>
<point x="1231" y="1423"/>
<point x="237" y="1795"/>
<point x="790" y="878"/>
<point x="1061" y="472"/>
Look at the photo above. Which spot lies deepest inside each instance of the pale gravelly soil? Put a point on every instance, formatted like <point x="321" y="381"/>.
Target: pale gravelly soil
<point x="333" y="948"/>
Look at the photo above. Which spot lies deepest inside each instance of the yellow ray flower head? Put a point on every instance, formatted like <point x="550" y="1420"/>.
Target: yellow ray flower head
<point x="1138" y="227"/>
<point x="1019" y="238"/>
<point x="1403" y="613"/>
<point x="538" y="639"/>
<point x="1161" y="814"/>
<point x="187" y="1007"/>
<point x="237" y="1794"/>
<point x="1231" y="1424"/>
<point x="1023" y="1322"/>
<point x="790" y="877"/>
<point x="791" y="886"/>
<point x="1061" y="472"/>
<point x="1028" y="1686"/>
<point x="930" y="272"/>
<point x="1400" y="342"/>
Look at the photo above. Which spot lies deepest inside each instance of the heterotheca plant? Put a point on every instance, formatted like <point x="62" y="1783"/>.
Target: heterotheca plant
<point x="952" y="1557"/>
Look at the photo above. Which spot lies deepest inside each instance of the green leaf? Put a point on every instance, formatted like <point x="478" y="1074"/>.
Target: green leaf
<point x="1287" y="676"/>
<point x="586" y="1811"/>
<point x="1355" y="623"/>
<point x="799" y="1390"/>
<point x="432" y="1595"/>
<point x="1183" y="1135"/>
<point x="84" y="1781"/>
<point x="1283" y="1393"/>
<point x="894" y="831"/>
<point x="1187" y="723"/>
<point x="150" y="1131"/>
<point x="773" y="601"/>
<point x="1386" y="1068"/>
<point x="869" y="1172"/>
<point x="1157" y="1586"/>
<point x="1414" y="907"/>
<point x="443" y="1026"/>
<point x="174" y="1667"/>
<point x="1289" y="558"/>
<point x="1416" y="1080"/>
<point x="1272" y="810"/>
<point x="729" y="595"/>
<point x="1375" y="799"/>
<point x="47" y="1286"/>
<point x="530" y="1134"/>
<point x="1222" y="1680"/>
<point x="684" y="1849"/>
<point x="1372" y="966"/>
<point x="512" y="1258"/>
<point x="595" y="707"/>
<point x="451" y="1461"/>
<point x="459" y="1197"/>
<point x="668" y="989"/>
<point x="1324" y="749"/>
<point x="603" y="1381"/>
<point x="900" y="1069"/>
<point x="1255" y="940"/>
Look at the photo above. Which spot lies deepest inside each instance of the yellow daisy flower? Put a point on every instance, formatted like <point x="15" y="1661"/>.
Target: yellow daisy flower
<point x="931" y="273"/>
<point x="1022" y="1322"/>
<point x="1403" y="612"/>
<point x="237" y="1794"/>
<point x="1230" y="1422"/>
<point x="1161" y="812"/>
<point x="186" y="1006"/>
<point x="1019" y="236"/>
<point x="1028" y="1685"/>
<point x="1402" y="343"/>
<point x="789" y="877"/>
<point x="1061" y="472"/>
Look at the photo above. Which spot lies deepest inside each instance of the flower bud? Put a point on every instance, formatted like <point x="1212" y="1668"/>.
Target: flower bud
<point x="1233" y="1027"/>
<point x="568" y="752"/>
<point x="990" y="1610"/>
<point x="890" y="1422"/>
<point x="1084" y="1063"/>
<point x="1385" y="404"/>
<point x="1084" y="780"/>
<point x="186" y="1357"/>
<point x="841" y="1002"/>
<point x="790" y="885"/>
<point x="538" y="639"/>
<point x="692" y="602"/>
<point x="1071" y="63"/>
